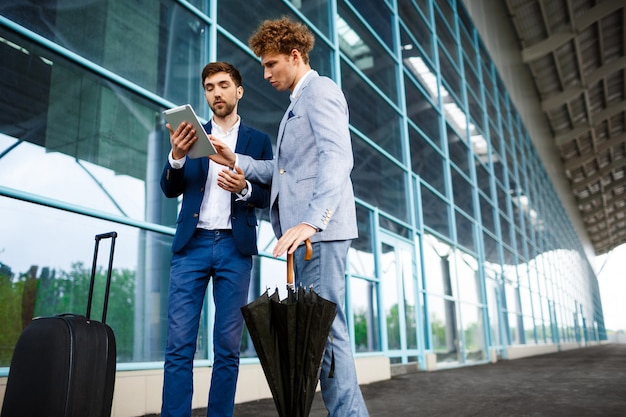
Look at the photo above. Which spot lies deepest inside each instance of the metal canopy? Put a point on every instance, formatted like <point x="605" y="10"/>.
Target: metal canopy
<point x="574" y="51"/>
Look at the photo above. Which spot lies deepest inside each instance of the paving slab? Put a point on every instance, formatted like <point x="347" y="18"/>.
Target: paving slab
<point x="584" y="382"/>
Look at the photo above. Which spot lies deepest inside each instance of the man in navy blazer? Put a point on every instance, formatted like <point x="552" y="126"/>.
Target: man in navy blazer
<point x="215" y="238"/>
<point x="311" y="195"/>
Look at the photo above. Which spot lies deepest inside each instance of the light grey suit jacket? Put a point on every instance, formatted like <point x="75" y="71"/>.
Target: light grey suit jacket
<point x="310" y="173"/>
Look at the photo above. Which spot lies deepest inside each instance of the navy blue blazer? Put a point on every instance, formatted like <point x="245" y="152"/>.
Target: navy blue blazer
<point x="190" y="181"/>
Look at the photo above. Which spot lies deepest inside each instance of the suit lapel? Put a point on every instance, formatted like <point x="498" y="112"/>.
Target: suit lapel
<point x="288" y="113"/>
<point x="205" y="160"/>
<point x="243" y="139"/>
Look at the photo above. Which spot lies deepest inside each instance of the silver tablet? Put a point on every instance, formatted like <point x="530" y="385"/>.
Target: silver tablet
<point x="203" y="146"/>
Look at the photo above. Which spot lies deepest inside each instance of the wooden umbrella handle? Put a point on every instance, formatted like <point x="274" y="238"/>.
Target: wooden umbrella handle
<point x="307" y="256"/>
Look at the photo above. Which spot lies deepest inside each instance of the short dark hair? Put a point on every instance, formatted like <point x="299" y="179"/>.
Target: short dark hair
<point x="221" y="66"/>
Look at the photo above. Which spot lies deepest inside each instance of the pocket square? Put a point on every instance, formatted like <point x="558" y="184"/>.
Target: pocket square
<point x="290" y="114"/>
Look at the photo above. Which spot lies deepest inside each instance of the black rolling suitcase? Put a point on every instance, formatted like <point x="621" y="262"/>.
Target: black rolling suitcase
<point x="64" y="365"/>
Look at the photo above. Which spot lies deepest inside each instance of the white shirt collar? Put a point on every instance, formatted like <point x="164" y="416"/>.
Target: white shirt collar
<point x="296" y="91"/>
<point x="217" y="130"/>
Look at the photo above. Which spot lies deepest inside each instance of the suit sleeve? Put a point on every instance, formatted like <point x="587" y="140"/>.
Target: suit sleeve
<point x="328" y="115"/>
<point x="259" y="171"/>
<point x="172" y="181"/>
<point x="260" y="197"/>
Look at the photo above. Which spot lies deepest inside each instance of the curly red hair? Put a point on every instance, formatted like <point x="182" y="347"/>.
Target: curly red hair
<point x="282" y="36"/>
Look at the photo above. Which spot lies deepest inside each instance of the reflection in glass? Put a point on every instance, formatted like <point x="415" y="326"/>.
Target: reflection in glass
<point x="436" y="266"/>
<point x="465" y="231"/>
<point x="376" y="119"/>
<point x="435" y="211"/>
<point x="422" y="112"/>
<point x="444" y="30"/>
<point x="356" y="42"/>
<point x="426" y="161"/>
<point x="409" y="293"/>
<point x="530" y="334"/>
<point x="457" y="148"/>
<point x="361" y="260"/>
<point x="106" y="140"/>
<point x="166" y="43"/>
<point x="416" y="26"/>
<point x="443" y="329"/>
<point x="473" y="332"/>
<point x="462" y="191"/>
<point x="487" y="214"/>
<point x="491" y="248"/>
<point x="378" y="16"/>
<point x="389" y="272"/>
<point x="47" y="266"/>
<point x="378" y="181"/>
<point x="494" y="307"/>
<point x="466" y="267"/>
<point x="363" y="299"/>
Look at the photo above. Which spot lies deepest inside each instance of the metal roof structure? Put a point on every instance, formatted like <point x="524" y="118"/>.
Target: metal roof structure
<point x="574" y="51"/>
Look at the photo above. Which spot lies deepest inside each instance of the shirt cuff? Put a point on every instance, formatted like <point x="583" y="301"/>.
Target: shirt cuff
<point x="313" y="226"/>
<point x="176" y="163"/>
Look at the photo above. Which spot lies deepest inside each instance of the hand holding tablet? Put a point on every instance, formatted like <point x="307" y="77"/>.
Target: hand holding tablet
<point x="203" y="146"/>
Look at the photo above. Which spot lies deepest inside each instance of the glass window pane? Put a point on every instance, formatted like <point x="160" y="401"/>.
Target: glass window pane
<point x="450" y="75"/>
<point x="416" y="44"/>
<point x="436" y="266"/>
<point x="364" y="305"/>
<point x="463" y="192"/>
<point x="417" y="26"/>
<point x="378" y="181"/>
<point x="358" y="44"/>
<point x="426" y="161"/>
<point x="231" y="14"/>
<point x="55" y="261"/>
<point x="483" y="178"/>
<point x="443" y="329"/>
<point x="378" y="16"/>
<point x="466" y="267"/>
<point x="361" y="254"/>
<point x="107" y="140"/>
<point x="389" y="290"/>
<point x="486" y="214"/>
<point x="435" y="211"/>
<point x="103" y="32"/>
<point x="465" y="231"/>
<point x="491" y="248"/>
<point x="444" y="30"/>
<point x="422" y="113"/>
<point x="317" y="11"/>
<point x="473" y="332"/>
<point x="458" y="150"/>
<point x="410" y="294"/>
<point x="377" y="120"/>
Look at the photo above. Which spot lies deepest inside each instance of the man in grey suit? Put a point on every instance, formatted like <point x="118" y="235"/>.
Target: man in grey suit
<point x="311" y="190"/>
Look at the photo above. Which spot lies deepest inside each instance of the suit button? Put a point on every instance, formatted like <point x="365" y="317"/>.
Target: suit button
<point x="282" y="171"/>
<point x="196" y="215"/>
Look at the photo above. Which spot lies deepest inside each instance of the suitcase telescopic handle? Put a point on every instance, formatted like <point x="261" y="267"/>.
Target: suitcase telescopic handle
<point x="112" y="236"/>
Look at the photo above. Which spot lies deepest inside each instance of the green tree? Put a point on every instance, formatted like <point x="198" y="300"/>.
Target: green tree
<point x="66" y="292"/>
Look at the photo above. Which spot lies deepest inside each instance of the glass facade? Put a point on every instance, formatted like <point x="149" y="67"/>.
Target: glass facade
<point x="464" y="246"/>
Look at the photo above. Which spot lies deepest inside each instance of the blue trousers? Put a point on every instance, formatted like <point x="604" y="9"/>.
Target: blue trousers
<point x="326" y="273"/>
<point x="209" y="254"/>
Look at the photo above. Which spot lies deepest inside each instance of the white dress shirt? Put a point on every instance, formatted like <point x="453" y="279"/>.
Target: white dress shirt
<point x="215" y="207"/>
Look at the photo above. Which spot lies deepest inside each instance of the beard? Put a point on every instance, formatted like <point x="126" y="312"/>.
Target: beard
<point x="224" y="110"/>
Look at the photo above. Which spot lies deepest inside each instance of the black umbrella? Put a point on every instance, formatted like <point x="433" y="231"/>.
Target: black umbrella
<point x="290" y="337"/>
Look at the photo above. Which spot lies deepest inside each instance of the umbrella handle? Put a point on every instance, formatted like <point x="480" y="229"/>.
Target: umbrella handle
<point x="307" y="256"/>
